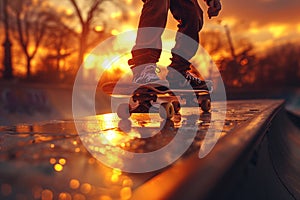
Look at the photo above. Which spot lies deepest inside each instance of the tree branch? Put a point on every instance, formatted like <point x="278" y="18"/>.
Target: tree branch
<point x="92" y="10"/>
<point x="75" y="5"/>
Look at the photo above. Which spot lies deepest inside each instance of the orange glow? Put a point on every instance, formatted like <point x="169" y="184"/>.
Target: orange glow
<point x="108" y="63"/>
<point x="74" y="184"/>
<point x="277" y="30"/>
<point x="62" y="161"/>
<point x="127" y="183"/>
<point x="47" y="195"/>
<point x="99" y="28"/>
<point x="115" y="15"/>
<point x="255" y="30"/>
<point x="79" y="197"/>
<point x="132" y="13"/>
<point x="91" y="161"/>
<point x="85" y="188"/>
<point x="127" y="27"/>
<point x="52" y="161"/>
<point x="229" y="21"/>
<point x="125" y="193"/>
<point x="105" y="198"/>
<point x="298" y="28"/>
<point x="37" y="192"/>
<point x="114" y="32"/>
<point x="58" y="167"/>
<point x="77" y="150"/>
<point x="69" y="11"/>
<point x="115" y="176"/>
<point x="64" y="196"/>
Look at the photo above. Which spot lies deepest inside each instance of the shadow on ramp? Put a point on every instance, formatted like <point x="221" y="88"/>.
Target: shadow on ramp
<point x="284" y="149"/>
<point x="276" y="172"/>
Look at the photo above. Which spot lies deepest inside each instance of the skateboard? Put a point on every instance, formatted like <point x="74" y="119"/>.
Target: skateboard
<point x="144" y="96"/>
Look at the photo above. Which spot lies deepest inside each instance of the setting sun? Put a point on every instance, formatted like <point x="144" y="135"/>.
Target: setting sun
<point x="277" y="30"/>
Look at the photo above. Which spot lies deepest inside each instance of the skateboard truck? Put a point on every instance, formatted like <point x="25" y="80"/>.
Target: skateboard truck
<point x="166" y="110"/>
<point x="145" y="96"/>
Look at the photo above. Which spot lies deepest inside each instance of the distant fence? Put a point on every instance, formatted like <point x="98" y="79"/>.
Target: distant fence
<point x="24" y="103"/>
<point x="28" y="101"/>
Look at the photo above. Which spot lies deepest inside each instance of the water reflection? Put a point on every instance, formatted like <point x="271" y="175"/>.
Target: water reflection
<point x="125" y="125"/>
<point x="49" y="161"/>
<point x="119" y="142"/>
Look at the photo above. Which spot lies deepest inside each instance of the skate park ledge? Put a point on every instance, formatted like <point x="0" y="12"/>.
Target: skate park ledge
<point x="256" y="157"/>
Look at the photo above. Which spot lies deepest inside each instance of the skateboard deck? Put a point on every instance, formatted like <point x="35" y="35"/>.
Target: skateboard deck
<point x="145" y="95"/>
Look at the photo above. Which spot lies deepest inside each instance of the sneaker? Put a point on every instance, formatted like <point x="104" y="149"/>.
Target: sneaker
<point x="147" y="75"/>
<point x="186" y="80"/>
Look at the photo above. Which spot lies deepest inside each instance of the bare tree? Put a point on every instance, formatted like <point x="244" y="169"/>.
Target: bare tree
<point x="31" y="20"/>
<point x="281" y="66"/>
<point x="213" y="42"/>
<point x="7" y="61"/>
<point x="85" y="23"/>
<point x="87" y="14"/>
<point x="59" y="39"/>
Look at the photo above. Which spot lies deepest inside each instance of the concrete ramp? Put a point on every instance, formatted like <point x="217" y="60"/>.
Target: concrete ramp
<point x="273" y="172"/>
<point x="284" y="150"/>
<point x="256" y="157"/>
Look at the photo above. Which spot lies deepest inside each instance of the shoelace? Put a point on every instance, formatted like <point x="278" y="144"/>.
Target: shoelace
<point x="149" y="70"/>
<point x="149" y="73"/>
<point x="189" y="77"/>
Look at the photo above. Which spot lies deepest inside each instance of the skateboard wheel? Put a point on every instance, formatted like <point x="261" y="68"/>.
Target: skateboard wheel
<point x="206" y="105"/>
<point x="123" y="111"/>
<point x="166" y="110"/>
<point x="176" y="106"/>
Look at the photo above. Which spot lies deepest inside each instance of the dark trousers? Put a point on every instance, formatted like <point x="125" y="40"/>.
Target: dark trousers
<point x="154" y="14"/>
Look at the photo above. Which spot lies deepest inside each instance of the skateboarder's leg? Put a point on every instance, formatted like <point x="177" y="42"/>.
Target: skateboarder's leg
<point x="154" y="14"/>
<point x="144" y="59"/>
<point x="190" y="18"/>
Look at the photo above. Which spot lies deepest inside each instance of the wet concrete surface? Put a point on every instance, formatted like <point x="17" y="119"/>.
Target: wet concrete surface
<point x="49" y="160"/>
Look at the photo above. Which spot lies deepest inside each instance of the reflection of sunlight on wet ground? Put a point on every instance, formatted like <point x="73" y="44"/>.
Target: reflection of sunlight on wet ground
<point x="47" y="157"/>
<point x="109" y="138"/>
<point x="52" y="161"/>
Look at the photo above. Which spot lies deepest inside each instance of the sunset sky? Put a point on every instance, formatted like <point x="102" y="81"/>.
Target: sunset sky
<point x="263" y="22"/>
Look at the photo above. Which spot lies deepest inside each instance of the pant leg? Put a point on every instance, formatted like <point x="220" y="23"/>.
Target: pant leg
<point x="190" y="17"/>
<point x="154" y="14"/>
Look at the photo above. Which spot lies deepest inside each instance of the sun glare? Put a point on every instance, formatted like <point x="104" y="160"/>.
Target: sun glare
<point x="114" y="32"/>
<point x="254" y="30"/>
<point x="115" y="15"/>
<point x="298" y="28"/>
<point x="69" y="11"/>
<point x="114" y="65"/>
<point x="99" y="28"/>
<point x="277" y="30"/>
<point x="229" y="21"/>
<point x="129" y="1"/>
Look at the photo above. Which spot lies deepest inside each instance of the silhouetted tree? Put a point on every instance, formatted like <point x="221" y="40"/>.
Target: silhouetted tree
<point x="31" y="20"/>
<point x="281" y="66"/>
<point x="213" y="42"/>
<point x="59" y="40"/>
<point x="7" y="59"/>
<point x="87" y="16"/>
